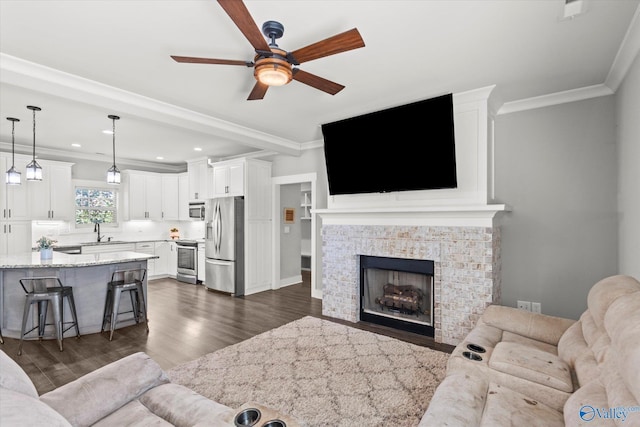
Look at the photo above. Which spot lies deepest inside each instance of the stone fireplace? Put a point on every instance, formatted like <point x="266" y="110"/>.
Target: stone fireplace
<point x="466" y="269"/>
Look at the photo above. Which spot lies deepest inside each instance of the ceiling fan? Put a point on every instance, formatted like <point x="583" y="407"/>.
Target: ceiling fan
<point x="273" y="66"/>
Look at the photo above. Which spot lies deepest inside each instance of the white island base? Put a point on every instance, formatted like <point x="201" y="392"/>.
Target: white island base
<point x="87" y="274"/>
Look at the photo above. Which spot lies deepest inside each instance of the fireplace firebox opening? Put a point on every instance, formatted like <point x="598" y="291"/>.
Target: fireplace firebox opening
<point x="397" y="292"/>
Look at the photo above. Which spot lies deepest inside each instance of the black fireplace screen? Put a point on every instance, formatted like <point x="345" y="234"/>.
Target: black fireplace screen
<point x="397" y="290"/>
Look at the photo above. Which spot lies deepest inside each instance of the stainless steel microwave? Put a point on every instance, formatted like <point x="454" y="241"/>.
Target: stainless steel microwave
<point x="196" y="210"/>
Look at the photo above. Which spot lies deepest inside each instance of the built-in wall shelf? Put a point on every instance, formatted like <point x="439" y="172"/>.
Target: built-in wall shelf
<point x="305" y="202"/>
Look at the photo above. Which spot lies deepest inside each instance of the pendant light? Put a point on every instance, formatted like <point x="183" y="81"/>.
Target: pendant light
<point x="34" y="170"/>
<point x="113" y="174"/>
<point x="13" y="176"/>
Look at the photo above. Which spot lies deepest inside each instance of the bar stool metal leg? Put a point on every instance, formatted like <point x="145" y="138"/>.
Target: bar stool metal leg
<point x="58" y="310"/>
<point x="115" y="304"/>
<point x="141" y="303"/>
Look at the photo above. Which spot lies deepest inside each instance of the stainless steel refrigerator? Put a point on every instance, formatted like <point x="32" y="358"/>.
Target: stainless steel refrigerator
<point x="224" y="245"/>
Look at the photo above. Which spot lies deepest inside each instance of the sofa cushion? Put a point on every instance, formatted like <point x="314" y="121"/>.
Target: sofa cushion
<point x="580" y="408"/>
<point x="511" y="337"/>
<point x="459" y="401"/>
<point x="101" y="392"/>
<point x="539" y="327"/>
<point x="19" y="409"/>
<point x="532" y="364"/>
<point x="607" y="290"/>
<point x="506" y="407"/>
<point x="622" y="323"/>
<point x="132" y="414"/>
<point x="572" y="344"/>
<point x="12" y="377"/>
<point x="182" y="406"/>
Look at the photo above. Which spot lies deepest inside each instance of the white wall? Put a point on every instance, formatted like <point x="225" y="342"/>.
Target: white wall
<point x="311" y="160"/>
<point x="557" y="168"/>
<point x="628" y="121"/>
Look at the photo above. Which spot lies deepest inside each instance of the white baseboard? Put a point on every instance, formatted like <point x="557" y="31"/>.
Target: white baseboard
<point x="288" y="281"/>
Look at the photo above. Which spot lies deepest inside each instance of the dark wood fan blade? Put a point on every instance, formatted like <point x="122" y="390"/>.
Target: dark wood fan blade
<point x="258" y="91"/>
<point x="193" y="60"/>
<point x="240" y="15"/>
<point x="339" y="43"/>
<point x="317" y="82"/>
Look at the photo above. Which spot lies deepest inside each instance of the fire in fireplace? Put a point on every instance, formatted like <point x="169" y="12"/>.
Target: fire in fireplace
<point x="397" y="292"/>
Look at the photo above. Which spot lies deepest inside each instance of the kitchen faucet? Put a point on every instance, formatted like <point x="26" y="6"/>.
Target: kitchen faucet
<point x="96" y="229"/>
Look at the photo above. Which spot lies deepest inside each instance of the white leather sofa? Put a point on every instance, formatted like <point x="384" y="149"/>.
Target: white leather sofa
<point x="538" y="370"/>
<point x="131" y="391"/>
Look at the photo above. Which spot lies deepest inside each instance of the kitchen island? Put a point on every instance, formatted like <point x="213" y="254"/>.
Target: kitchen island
<point x="88" y="274"/>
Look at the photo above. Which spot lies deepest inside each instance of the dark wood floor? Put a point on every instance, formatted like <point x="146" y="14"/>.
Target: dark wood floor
<point x="185" y="322"/>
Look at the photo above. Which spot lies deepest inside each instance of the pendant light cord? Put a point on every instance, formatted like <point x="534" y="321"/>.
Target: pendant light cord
<point x="13" y="143"/>
<point x="34" y="134"/>
<point x="113" y="119"/>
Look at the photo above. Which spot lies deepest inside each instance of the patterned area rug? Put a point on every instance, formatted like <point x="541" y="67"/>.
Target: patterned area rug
<point x="323" y="374"/>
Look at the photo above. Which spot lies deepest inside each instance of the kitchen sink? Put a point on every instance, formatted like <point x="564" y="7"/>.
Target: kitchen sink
<point x="104" y="242"/>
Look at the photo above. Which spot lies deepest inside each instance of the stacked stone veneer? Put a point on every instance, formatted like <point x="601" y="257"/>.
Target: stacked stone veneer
<point x="466" y="275"/>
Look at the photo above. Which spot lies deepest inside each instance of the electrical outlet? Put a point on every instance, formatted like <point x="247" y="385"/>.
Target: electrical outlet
<point x="524" y="305"/>
<point x="536" y="307"/>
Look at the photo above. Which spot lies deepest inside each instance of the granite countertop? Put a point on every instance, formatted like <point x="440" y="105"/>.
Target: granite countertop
<point x="59" y="260"/>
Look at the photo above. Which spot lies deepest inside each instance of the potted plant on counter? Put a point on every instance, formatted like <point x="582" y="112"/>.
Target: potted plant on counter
<point x="45" y="247"/>
<point x="174" y="233"/>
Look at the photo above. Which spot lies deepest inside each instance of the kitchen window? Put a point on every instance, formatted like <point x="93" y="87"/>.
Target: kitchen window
<point x="94" y="204"/>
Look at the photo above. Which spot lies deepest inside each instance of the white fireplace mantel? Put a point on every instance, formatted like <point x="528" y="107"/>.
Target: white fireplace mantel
<point x="453" y="215"/>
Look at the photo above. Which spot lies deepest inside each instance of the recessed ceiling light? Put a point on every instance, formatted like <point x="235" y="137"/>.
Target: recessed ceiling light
<point x="159" y="158"/>
<point x="108" y="131"/>
<point x="197" y="149"/>
<point x="76" y="145"/>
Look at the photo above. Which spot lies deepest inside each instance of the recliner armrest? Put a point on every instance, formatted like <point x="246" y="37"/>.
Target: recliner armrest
<point x="99" y="393"/>
<point x="540" y="327"/>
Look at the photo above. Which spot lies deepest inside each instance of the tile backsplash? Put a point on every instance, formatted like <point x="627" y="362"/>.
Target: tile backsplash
<point x="66" y="234"/>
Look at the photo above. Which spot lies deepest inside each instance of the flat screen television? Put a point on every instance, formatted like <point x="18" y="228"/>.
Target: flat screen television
<point x="404" y="148"/>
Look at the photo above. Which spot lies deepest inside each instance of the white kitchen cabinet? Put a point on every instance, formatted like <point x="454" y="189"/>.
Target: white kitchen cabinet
<point x="172" y="263"/>
<point x="143" y="195"/>
<point x="170" y="196"/>
<point x="183" y="196"/>
<point x="161" y="250"/>
<point x="228" y="178"/>
<point x="14" y="199"/>
<point x="198" y="182"/>
<point x="148" y="248"/>
<point x="15" y="237"/>
<point x="52" y="198"/>
<point x="201" y="262"/>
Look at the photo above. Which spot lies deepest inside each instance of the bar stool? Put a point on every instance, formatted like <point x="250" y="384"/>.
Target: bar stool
<point x="45" y="291"/>
<point x="131" y="281"/>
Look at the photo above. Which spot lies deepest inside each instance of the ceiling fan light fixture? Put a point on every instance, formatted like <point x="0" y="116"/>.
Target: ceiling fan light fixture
<point x="273" y="71"/>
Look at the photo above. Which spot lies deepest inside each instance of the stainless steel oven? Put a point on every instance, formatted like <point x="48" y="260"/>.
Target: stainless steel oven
<point x="187" y="261"/>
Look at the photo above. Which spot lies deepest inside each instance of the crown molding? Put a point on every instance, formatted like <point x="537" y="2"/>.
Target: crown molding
<point x="22" y="73"/>
<point x="625" y="56"/>
<point x="555" y="98"/>
<point x="627" y="53"/>
<point x="45" y="153"/>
